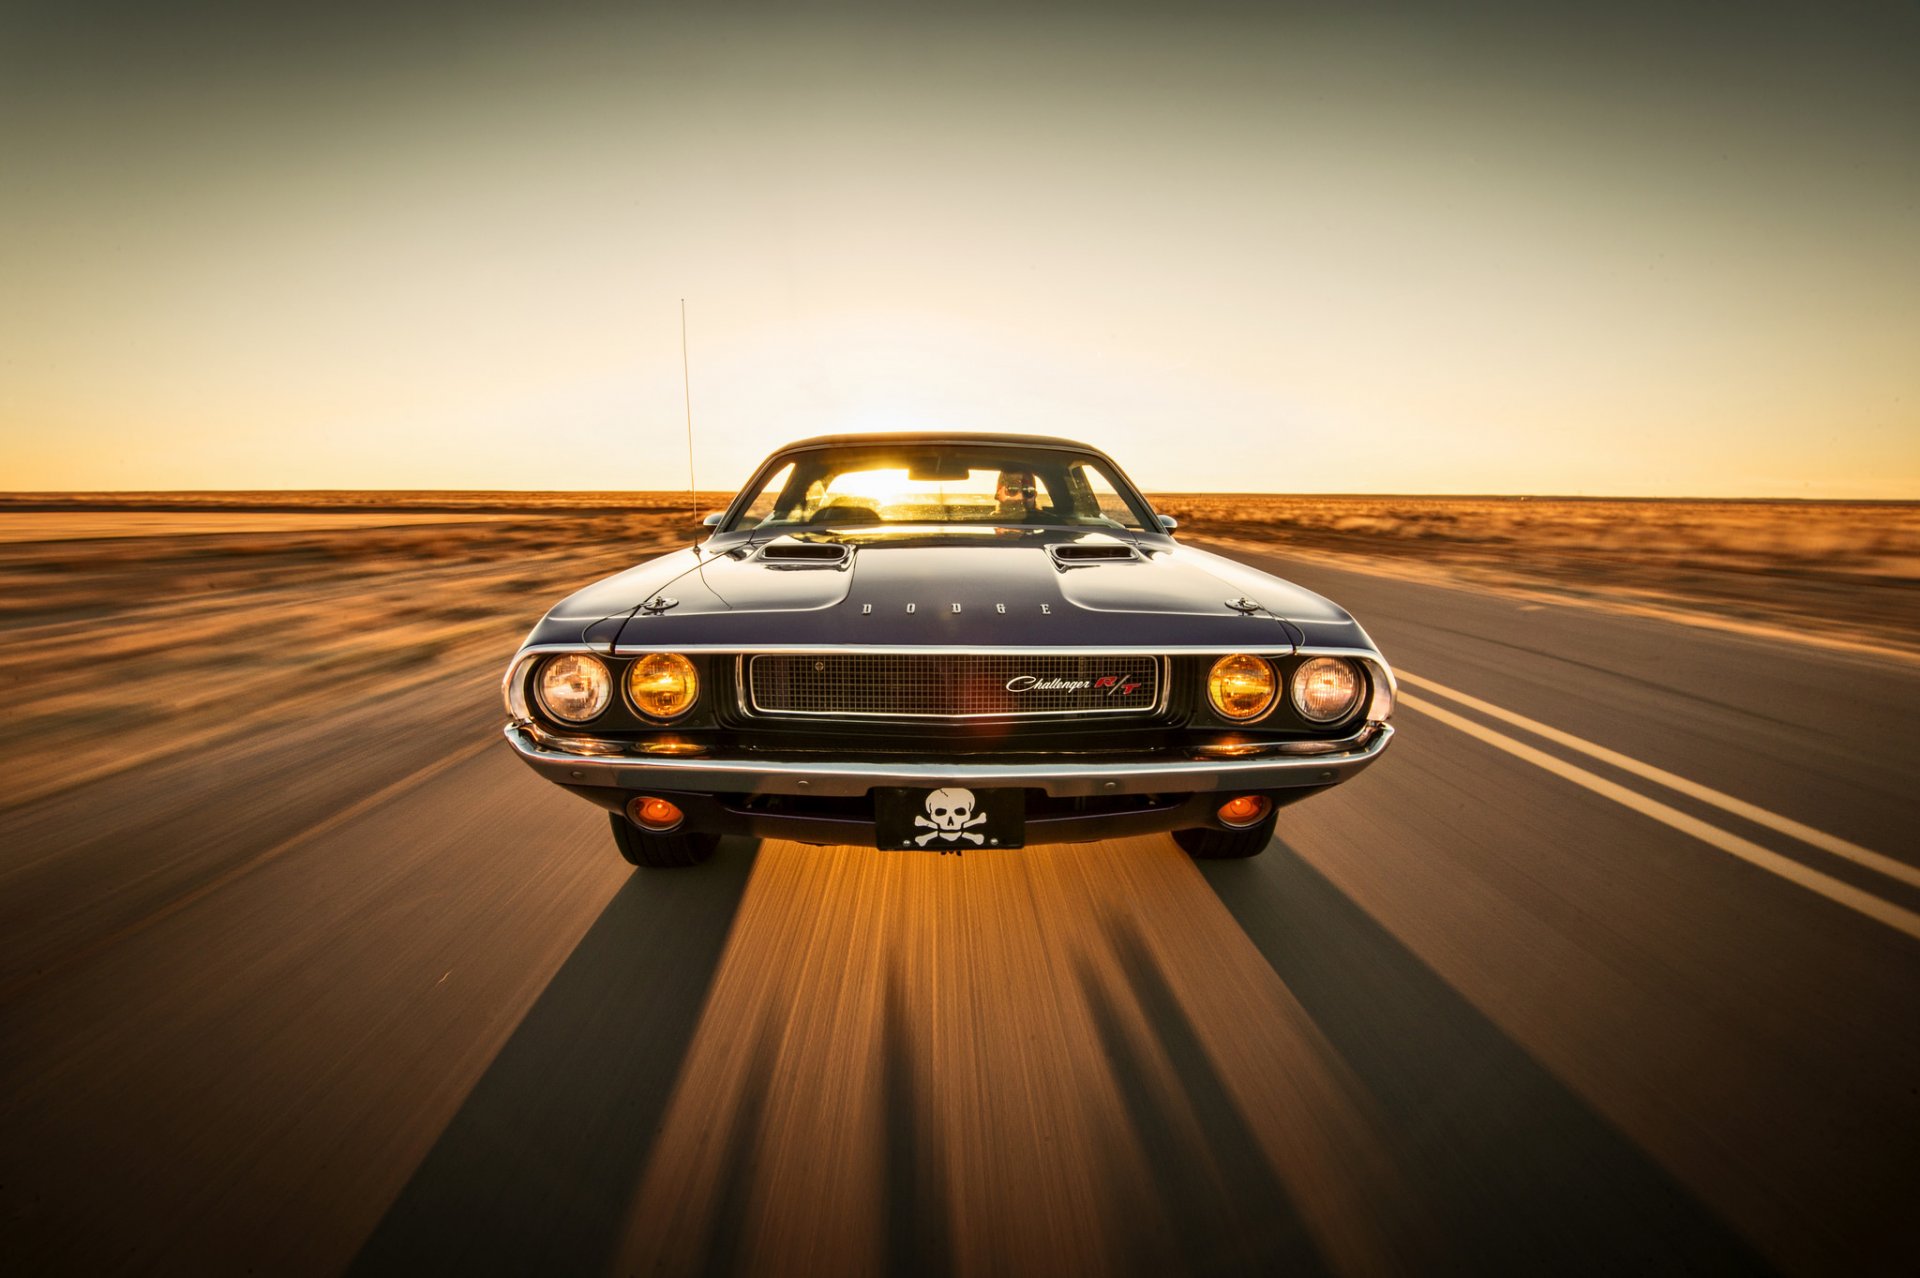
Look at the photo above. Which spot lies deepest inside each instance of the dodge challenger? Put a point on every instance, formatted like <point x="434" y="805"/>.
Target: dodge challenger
<point x="949" y="643"/>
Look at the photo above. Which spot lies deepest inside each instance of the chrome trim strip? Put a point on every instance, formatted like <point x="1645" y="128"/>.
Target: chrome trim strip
<point x="1385" y="687"/>
<point x="513" y="685"/>
<point x="1272" y="651"/>
<point x="854" y="778"/>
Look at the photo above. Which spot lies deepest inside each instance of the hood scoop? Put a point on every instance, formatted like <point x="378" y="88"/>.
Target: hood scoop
<point x="1084" y="554"/>
<point x="806" y="554"/>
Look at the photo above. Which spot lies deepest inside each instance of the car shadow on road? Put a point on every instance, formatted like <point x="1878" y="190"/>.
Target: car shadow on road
<point x="1517" y="1172"/>
<point x="1225" y="1209"/>
<point x="536" y="1171"/>
<point x="918" y="1231"/>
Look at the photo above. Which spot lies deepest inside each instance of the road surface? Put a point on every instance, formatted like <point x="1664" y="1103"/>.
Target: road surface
<point x="1612" y="963"/>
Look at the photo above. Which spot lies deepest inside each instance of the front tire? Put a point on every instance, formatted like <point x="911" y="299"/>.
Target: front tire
<point x="1208" y="844"/>
<point x="660" y="851"/>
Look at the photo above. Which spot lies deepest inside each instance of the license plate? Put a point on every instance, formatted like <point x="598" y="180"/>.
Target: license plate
<point x="949" y="819"/>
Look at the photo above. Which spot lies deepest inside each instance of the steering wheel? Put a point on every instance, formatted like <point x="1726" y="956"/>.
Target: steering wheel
<point x="844" y="514"/>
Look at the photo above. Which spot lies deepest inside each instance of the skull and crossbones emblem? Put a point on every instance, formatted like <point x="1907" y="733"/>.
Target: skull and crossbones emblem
<point x="950" y="817"/>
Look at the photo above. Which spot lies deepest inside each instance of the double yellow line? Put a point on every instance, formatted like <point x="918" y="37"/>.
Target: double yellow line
<point x="1833" y="889"/>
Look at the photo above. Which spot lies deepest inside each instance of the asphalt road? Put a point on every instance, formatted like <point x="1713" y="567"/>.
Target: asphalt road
<point x="376" y="998"/>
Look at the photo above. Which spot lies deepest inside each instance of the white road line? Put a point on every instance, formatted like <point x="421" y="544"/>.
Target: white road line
<point x="1833" y="844"/>
<point x="1833" y="889"/>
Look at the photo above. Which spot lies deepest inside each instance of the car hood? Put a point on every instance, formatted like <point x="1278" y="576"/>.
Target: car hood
<point x="982" y="588"/>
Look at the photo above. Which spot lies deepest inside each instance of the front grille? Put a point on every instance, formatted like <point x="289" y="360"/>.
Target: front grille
<point x="959" y="686"/>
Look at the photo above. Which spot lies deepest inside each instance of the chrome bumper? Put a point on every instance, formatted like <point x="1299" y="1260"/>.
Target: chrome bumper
<point x="1065" y="779"/>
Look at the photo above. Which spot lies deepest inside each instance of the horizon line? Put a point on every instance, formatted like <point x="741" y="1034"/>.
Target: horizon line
<point x="15" y="496"/>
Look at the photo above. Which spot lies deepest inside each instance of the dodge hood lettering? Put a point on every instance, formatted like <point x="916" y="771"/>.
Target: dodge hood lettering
<point x="926" y="589"/>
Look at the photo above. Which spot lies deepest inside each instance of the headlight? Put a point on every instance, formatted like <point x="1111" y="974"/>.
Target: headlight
<point x="1326" y="689"/>
<point x="1241" y="686"/>
<point x="663" y="685"/>
<point x="574" y="686"/>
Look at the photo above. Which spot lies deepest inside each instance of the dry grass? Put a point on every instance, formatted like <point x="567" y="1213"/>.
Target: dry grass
<point x="1840" y="571"/>
<point x="139" y="624"/>
<point x="383" y="500"/>
<point x="121" y="648"/>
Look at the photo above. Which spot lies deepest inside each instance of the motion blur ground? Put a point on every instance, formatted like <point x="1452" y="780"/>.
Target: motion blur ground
<point x="359" y="992"/>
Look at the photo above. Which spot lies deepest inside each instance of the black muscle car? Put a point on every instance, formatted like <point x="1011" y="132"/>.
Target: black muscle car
<point x="944" y="642"/>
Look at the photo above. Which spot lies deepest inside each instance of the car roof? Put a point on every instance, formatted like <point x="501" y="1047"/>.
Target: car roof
<point x="940" y="437"/>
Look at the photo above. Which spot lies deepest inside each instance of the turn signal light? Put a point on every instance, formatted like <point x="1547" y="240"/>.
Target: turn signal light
<point x="1248" y="809"/>
<point x="671" y="746"/>
<point x="656" y="815"/>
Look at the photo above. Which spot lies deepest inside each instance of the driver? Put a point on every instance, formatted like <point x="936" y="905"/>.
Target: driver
<point x="1016" y="496"/>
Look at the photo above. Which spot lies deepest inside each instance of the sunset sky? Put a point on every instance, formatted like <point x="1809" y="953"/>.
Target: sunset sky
<point x="1583" y="249"/>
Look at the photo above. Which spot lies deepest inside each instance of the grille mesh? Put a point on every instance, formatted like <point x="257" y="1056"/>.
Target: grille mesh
<point x="940" y="686"/>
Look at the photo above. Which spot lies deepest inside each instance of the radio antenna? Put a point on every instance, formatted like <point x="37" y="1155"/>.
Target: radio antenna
<point x="686" y="387"/>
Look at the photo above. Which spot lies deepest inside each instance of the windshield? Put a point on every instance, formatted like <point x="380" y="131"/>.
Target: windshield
<point x="1000" y="484"/>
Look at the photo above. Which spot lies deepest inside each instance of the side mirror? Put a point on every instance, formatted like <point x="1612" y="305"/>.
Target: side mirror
<point x="1167" y="522"/>
<point x="713" y="519"/>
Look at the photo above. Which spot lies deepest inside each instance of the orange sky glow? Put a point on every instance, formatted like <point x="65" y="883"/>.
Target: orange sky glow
<point x="1239" y="250"/>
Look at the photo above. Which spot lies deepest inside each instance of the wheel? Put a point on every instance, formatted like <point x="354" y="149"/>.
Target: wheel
<point x="1209" y="844"/>
<point x="660" y="851"/>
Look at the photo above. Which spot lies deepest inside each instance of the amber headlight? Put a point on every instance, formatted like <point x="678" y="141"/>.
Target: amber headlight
<point x="574" y="687"/>
<point x="1241" y="686"/>
<point x="1326" y="689"/>
<point x="663" y="685"/>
